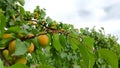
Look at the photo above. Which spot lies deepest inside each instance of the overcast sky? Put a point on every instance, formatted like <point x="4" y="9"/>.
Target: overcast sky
<point x="82" y="13"/>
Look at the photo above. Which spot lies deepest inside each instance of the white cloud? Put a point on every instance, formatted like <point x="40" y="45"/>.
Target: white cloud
<point x="67" y="11"/>
<point x="55" y="8"/>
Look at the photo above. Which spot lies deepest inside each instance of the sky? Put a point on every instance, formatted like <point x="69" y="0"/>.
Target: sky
<point x="82" y="13"/>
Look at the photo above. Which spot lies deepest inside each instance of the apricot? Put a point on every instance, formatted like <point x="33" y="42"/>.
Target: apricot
<point x="43" y="40"/>
<point x="7" y="36"/>
<point x="5" y="52"/>
<point x="21" y="60"/>
<point x="31" y="48"/>
<point x="11" y="46"/>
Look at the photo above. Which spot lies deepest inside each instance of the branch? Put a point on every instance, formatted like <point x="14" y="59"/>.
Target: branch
<point x="26" y="38"/>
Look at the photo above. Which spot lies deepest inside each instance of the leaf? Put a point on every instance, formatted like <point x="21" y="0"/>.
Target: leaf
<point x="15" y="29"/>
<point x="22" y="2"/>
<point x="1" y="64"/>
<point x="88" y="58"/>
<point x="3" y="42"/>
<point x="45" y="66"/>
<point x="91" y="60"/>
<point x="20" y="49"/>
<point x="18" y="65"/>
<point x="56" y="42"/>
<point x="48" y="20"/>
<point x="63" y="55"/>
<point x="109" y="56"/>
<point x="41" y="57"/>
<point x="74" y="35"/>
<point x="43" y="14"/>
<point x="10" y="1"/>
<point x="74" y="40"/>
<point x="62" y="40"/>
<point x="35" y="41"/>
<point x="22" y="11"/>
<point x="73" y="43"/>
<point x="89" y="42"/>
<point x="2" y="22"/>
<point x="76" y="66"/>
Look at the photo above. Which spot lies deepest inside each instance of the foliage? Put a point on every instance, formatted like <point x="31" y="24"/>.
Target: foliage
<point x="65" y="47"/>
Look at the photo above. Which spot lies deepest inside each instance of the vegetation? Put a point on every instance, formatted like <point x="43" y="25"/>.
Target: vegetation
<point x="33" y="40"/>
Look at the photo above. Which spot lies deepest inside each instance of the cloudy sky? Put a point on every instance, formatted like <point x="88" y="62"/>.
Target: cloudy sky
<point x="82" y="13"/>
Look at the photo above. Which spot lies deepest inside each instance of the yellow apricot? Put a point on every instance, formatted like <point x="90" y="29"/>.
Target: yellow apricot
<point x="11" y="46"/>
<point x="43" y="40"/>
<point x="21" y="60"/>
<point x="7" y="36"/>
<point x="31" y="48"/>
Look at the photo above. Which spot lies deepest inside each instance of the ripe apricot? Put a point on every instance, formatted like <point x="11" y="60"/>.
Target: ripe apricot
<point x="31" y="48"/>
<point x="7" y="36"/>
<point x="21" y="60"/>
<point x="43" y="40"/>
<point x="11" y="46"/>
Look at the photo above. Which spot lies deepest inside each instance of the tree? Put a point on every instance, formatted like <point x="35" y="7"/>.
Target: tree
<point x="34" y="40"/>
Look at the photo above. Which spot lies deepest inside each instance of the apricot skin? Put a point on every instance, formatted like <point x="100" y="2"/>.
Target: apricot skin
<point x="43" y="40"/>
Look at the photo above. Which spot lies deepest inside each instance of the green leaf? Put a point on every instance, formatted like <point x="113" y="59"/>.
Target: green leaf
<point x="109" y="56"/>
<point x="74" y="40"/>
<point x="56" y="42"/>
<point x="18" y="65"/>
<point x="2" y="23"/>
<point x="73" y="43"/>
<point x="76" y="66"/>
<point x="15" y="29"/>
<point x="41" y="58"/>
<point x="89" y="42"/>
<point x="22" y="2"/>
<point x="48" y="20"/>
<point x="10" y="1"/>
<point x="35" y="41"/>
<point x="43" y="14"/>
<point x="20" y="49"/>
<point x="75" y="35"/>
<point x="88" y="58"/>
<point x="62" y="40"/>
<point x="22" y="11"/>
<point x="63" y="55"/>
<point x="45" y="66"/>
<point x="3" y="42"/>
<point x="1" y="64"/>
<point x="91" y="60"/>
